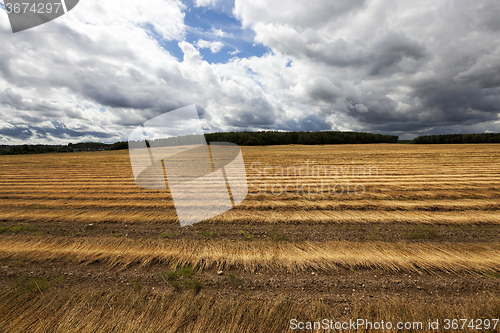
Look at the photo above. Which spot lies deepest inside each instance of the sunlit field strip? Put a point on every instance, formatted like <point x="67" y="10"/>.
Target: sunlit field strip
<point x="389" y="193"/>
<point x="452" y="174"/>
<point x="396" y="180"/>
<point x="168" y="215"/>
<point x="469" y="179"/>
<point x="469" y="192"/>
<point x="286" y="191"/>
<point x="100" y="310"/>
<point x="276" y="189"/>
<point x="425" y="169"/>
<point x="261" y="162"/>
<point x="379" y="195"/>
<point x="253" y="199"/>
<point x="290" y="257"/>
<point x="280" y="205"/>
<point x="119" y="182"/>
<point x="383" y="171"/>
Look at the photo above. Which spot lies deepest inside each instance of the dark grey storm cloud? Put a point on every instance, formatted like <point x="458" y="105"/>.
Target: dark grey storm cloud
<point x="378" y="57"/>
<point x="59" y="131"/>
<point x="253" y="112"/>
<point x="396" y="67"/>
<point x="309" y="122"/>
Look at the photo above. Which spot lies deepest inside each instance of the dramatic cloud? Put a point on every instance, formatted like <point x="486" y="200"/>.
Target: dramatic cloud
<point x="404" y="68"/>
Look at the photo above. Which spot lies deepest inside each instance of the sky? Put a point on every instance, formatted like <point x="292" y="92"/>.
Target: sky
<point x="405" y="68"/>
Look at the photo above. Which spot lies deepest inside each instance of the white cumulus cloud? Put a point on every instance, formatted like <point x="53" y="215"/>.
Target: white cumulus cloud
<point x="214" y="46"/>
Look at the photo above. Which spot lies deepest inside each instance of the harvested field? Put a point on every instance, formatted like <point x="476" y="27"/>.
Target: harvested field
<point x="414" y="235"/>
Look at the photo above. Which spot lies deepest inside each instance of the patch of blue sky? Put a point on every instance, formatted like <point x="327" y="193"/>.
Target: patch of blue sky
<point x="212" y="25"/>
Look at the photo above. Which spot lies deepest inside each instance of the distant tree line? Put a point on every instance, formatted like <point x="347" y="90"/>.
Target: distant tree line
<point x="40" y="149"/>
<point x="300" y="138"/>
<point x="262" y="139"/>
<point x="271" y="138"/>
<point x="119" y="145"/>
<point x="458" y="138"/>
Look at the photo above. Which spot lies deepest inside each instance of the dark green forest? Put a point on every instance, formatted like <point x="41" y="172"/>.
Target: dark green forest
<point x="300" y="138"/>
<point x="458" y="138"/>
<point x="40" y="149"/>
